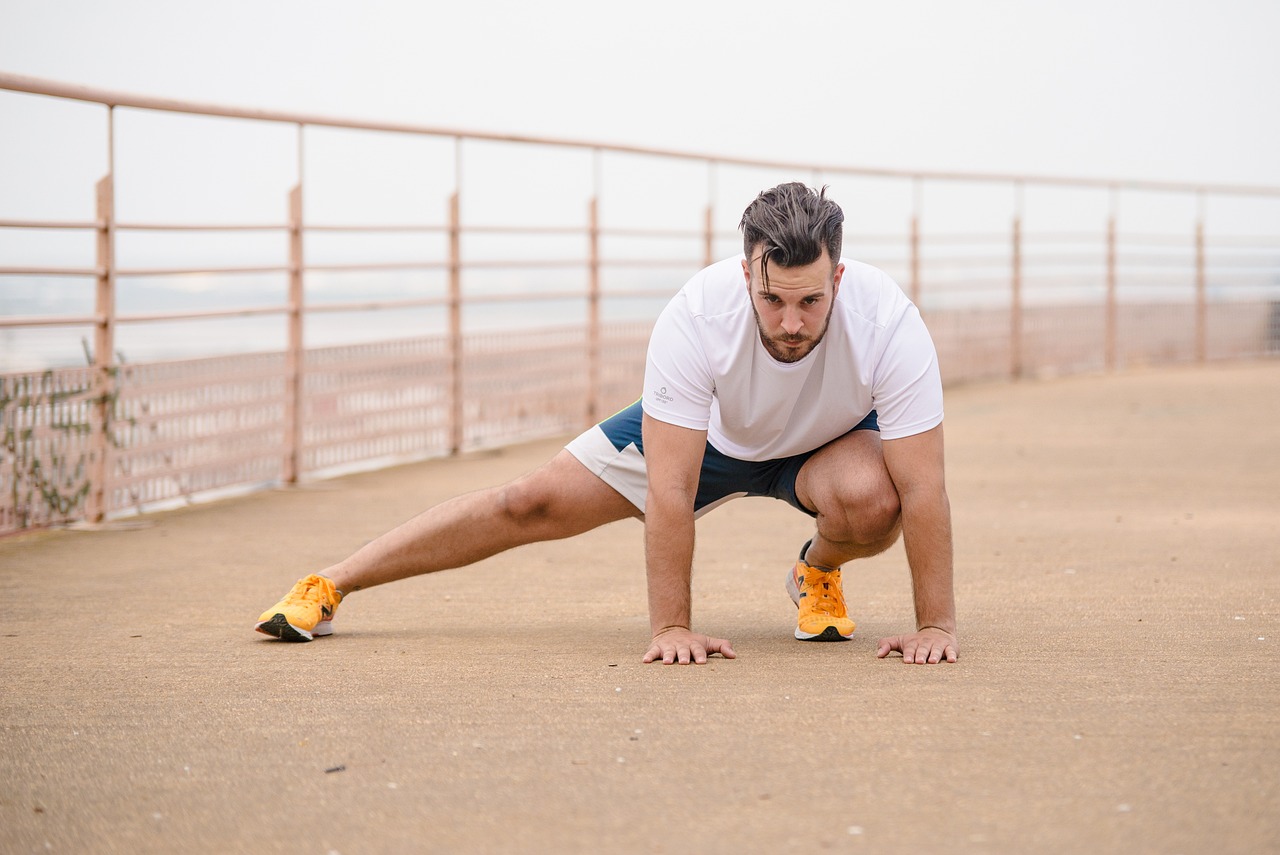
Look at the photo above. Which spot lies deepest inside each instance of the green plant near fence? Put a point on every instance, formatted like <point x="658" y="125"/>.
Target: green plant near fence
<point x="46" y="441"/>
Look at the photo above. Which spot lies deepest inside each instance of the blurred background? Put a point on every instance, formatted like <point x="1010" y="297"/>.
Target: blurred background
<point x="1059" y="186"/>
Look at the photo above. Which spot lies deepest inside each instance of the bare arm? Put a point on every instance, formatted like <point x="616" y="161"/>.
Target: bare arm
<point x="673" y="457"/>
<point x="915" y="464"/>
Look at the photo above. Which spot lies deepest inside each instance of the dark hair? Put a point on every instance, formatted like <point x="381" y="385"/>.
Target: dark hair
<point x="792" y="224"/>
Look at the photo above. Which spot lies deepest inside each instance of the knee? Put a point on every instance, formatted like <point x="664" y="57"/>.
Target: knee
<point x="522" y="502"/>
<point x="865" y="514"/>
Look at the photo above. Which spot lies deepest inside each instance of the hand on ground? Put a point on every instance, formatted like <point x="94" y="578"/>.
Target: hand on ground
<point x="929" y="646"/>
<point x="684" y="646"/>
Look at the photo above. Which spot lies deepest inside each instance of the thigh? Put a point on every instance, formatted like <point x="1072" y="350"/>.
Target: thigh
<point x="568" y="497"/>
<point x="852" y="465"/>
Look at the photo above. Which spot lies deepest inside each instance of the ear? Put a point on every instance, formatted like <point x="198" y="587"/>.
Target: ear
<point x="746" y="273"/>
<point x="835" y="280"/>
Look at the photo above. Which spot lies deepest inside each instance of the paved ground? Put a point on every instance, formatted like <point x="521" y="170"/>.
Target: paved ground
<point x="1118" y="542"/>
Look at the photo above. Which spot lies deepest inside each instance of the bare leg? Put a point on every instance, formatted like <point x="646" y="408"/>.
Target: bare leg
<point x="559" y="499"/>
<point x="847" y="483"/>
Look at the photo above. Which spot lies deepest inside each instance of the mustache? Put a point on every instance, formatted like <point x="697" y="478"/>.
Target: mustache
<point x="792" y="339"/>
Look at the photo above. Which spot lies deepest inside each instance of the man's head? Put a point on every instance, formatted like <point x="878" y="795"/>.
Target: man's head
<point x="792" y="237"/>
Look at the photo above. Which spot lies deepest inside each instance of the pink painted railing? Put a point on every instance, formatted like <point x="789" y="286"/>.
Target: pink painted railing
<point x="86" y="443"/>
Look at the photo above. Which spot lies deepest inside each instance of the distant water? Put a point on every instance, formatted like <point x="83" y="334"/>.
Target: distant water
<point x="40" y="348"/>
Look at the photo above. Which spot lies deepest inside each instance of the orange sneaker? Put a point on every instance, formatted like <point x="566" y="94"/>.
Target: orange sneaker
<point x="817" y="593"/>
<point x="304" y="613"/>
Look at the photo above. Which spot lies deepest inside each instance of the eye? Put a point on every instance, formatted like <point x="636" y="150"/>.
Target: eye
<point x="811" y="301"/>
<point x="772" y="299"/>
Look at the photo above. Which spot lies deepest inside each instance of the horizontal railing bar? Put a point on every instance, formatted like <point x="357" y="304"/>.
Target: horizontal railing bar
<point x="1251" y="278"/>
<point x="936" y="280"/>
<point x="51" y="271"/>
<point x="967" y="260"/>
<point x="238" y="312"/>
<point x="193" y="271"/>
<point x="865" y="237"/>
<point x="1186" y="280"/>
<point x="651" y="262"/>
<point x="377" y="265"/>
<point x="202" y="227"/>
<point x="1260" y="242"/>
<point x="334" y="227"/>
<point x="1217" y="261"/>
<point x="1064" y="237"/>
<point x="650" y="233"/>
<point x="52" y="224"/>
<point x="1094" y="255"/>
<point x="633" y="293"/>
<point x="57" y="89"/>
<point x="1123" y="260"/>
<point x="927" y="238"/>
<point x="370" y="305"/>
<point x="1086" y="282"/>
<point x="497" y="264"/>
<point x="50" y="320"/>
<point x="525" y="230"/>
<point x="521" y="298"/>
<point x="1187" y="240"/>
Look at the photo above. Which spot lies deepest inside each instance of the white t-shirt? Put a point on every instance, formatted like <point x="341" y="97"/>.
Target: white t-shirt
<point x="708" y="370"/>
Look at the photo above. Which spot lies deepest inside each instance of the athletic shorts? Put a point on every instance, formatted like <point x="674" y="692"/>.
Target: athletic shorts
<point x="614" y="451"/>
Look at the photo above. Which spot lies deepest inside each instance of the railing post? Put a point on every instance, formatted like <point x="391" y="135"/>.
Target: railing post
<point x="1110" y="343"/>
<point x="1015" y="313"/>
<point x="103" y="353"/>
<point x="594" y="368"/>
<point x="455" y="327"/>
<point x="1202" y="309"/>
<point x="295" y="355"/>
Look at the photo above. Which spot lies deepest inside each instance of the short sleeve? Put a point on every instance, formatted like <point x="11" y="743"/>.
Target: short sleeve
<point x="678" y="386"/>
<point x="907" y="393"/>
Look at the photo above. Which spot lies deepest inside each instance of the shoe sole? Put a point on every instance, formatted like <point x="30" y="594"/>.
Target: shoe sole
<point x="828" y="634"/>
<point x="278" y="626"/>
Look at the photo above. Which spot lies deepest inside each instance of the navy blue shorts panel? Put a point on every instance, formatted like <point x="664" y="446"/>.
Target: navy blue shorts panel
<point x="723" y="477"/>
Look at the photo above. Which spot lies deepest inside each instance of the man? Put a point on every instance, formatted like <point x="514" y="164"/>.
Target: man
<point x="785" y="372"/>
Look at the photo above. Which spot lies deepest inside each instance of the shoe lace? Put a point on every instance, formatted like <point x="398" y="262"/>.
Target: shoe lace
<point x="308" y="590"/>
<point x="823" y="592"/>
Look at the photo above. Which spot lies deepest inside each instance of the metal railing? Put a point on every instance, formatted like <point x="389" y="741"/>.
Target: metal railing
<point x="89" y="443"/>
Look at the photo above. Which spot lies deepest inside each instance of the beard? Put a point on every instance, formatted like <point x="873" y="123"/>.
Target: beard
<point x="784" y="347"/>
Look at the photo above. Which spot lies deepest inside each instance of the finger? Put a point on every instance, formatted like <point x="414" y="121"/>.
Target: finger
<point x="935" y="655"/>
<point x="668" y="655"/>
<point x="699" y="653"/>
<point x="888" y="645"/>
<point x="721" y="646"/>
<point x="952" y="655"/>
<point x="654" y="652"/>
<point x="683" y="655"/>
<point x="909" y="651"/>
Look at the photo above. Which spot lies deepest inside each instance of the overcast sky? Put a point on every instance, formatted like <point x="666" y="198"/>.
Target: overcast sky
<point x="1150" y="88"/>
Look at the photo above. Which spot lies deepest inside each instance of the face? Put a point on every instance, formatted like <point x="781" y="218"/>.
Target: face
<point x="793" y="312"/>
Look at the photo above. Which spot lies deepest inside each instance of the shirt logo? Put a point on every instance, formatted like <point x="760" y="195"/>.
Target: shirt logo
<point x="661" y="395"/>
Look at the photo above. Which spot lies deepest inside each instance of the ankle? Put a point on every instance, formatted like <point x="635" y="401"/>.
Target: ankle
<point x="806" y="556"/>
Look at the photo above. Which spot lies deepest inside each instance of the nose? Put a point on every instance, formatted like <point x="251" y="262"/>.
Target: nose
<point x="791" y="320"/>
